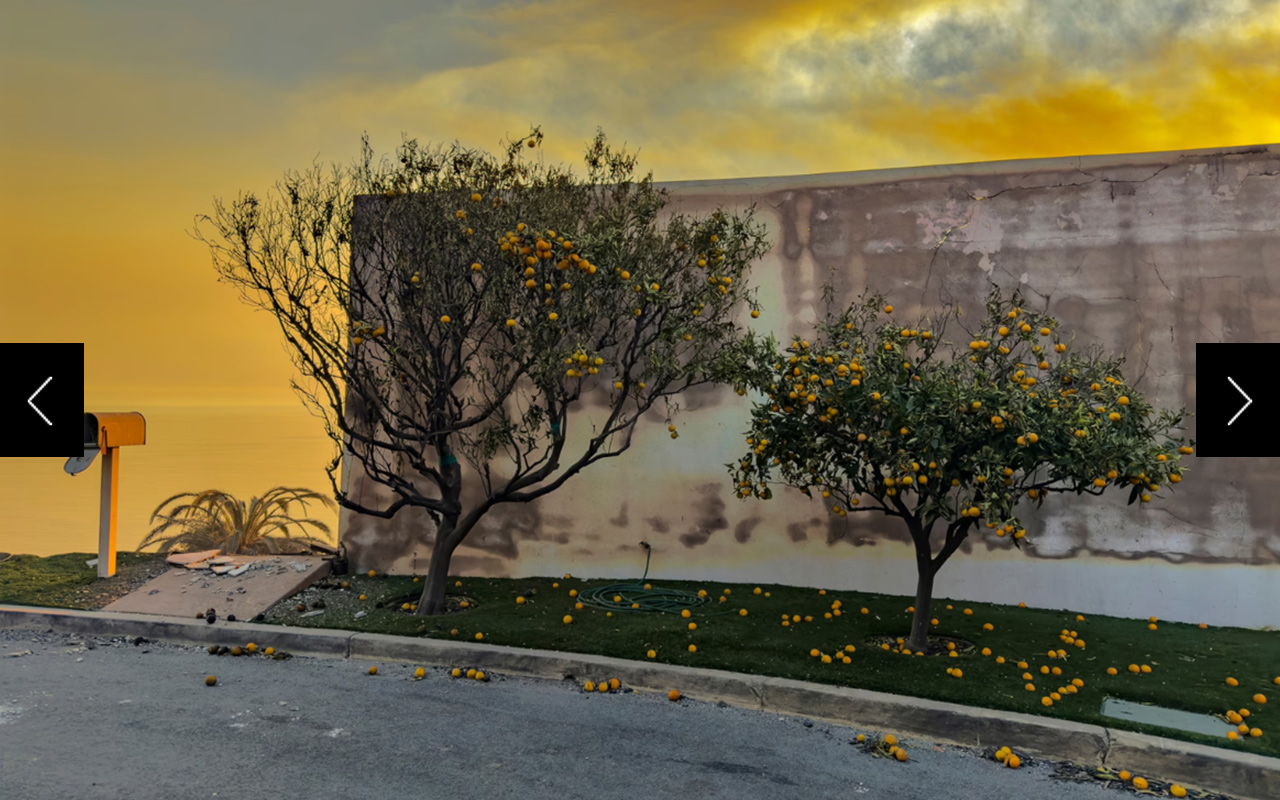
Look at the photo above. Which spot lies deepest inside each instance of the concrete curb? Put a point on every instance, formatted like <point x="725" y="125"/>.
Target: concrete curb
<point x="1244" y="775"/>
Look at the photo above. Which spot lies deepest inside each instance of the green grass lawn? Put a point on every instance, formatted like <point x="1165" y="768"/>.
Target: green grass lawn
<point x="1189" y="665"/>
<point x="64" y="581"/>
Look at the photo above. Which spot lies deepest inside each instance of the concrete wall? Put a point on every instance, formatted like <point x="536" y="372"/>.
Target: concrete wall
<point x="1146" y="254"/>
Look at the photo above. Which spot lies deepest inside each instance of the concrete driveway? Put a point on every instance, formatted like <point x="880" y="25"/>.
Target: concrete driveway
<point x="137" y="722"/>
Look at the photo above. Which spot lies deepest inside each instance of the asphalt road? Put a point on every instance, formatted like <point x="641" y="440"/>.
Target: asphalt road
<point x="137" y="722"/>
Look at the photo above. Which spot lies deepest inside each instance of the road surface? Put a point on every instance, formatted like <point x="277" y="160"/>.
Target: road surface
<point x="137" y="722"/>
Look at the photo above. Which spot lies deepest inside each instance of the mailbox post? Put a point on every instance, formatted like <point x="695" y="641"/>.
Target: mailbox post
<point x="107" y="433"/>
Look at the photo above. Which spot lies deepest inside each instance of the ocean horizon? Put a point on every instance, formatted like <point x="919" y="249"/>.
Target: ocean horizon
<point x="244" y="450"/>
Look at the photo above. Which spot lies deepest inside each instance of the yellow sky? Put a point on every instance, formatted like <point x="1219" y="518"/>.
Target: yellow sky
<point x="122" y="121"/>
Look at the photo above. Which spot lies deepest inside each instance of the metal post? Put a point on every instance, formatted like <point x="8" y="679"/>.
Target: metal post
<point x="107" y="514"/>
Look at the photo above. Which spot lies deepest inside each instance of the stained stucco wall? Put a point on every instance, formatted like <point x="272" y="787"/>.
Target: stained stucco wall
<point x="1146" y="254"/>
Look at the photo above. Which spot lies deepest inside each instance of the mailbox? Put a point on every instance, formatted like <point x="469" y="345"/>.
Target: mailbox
<point x="106" y="433"/>
<point x="115" y="430"/>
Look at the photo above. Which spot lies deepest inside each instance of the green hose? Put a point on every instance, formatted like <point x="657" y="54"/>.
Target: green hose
<point x="652" y="600"/>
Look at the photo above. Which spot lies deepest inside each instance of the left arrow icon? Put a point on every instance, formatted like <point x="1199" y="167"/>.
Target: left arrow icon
<point x="31" y="400"/>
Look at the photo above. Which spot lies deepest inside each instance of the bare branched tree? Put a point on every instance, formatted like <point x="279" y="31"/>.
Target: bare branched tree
<point x="477" y="333"/>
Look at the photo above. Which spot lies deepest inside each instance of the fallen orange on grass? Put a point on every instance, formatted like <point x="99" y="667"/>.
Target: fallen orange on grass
<point x="1260" y="698"/>
<point x="1232" y="682"/>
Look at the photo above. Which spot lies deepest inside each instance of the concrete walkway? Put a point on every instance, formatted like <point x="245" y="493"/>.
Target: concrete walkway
<point x="183" y="592"/>
<point x="1242" y="775"/>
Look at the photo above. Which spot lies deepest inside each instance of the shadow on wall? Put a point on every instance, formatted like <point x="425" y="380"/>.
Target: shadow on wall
<point x="1145" y="255"/>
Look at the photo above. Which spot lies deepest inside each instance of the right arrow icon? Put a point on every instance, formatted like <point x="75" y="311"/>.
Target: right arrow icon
<point x="1247" y="400"/>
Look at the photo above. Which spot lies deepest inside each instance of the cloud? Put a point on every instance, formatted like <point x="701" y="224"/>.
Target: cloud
<point x="123" y="121"/>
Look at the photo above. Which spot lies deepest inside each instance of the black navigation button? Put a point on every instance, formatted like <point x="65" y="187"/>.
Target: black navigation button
<point x="1236" y="400"/>
<point x="42" y="398"/>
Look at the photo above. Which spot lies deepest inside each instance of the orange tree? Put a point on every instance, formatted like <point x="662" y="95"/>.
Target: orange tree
<point x="457" y="316"/>
<point x="886" y="417"/>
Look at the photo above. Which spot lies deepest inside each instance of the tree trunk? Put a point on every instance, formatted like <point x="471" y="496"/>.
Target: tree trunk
<point x="432" y="602"/>
<point x="924" y="600"/>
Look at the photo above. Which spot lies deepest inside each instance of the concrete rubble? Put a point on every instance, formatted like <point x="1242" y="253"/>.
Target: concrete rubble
<point x="209" y="562"/>
<point x="238" y="586"/>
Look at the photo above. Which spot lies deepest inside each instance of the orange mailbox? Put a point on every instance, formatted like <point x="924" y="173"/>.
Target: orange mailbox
<point x="106" y="433"/>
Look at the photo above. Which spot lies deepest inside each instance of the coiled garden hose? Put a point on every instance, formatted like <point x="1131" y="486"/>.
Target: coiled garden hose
<point x="621" y="596"/>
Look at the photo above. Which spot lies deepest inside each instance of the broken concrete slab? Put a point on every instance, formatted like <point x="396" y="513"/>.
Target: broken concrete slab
<point x="245" y="595"/>
<point x="186" y="559"/>
<point x="240" y="570"/>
